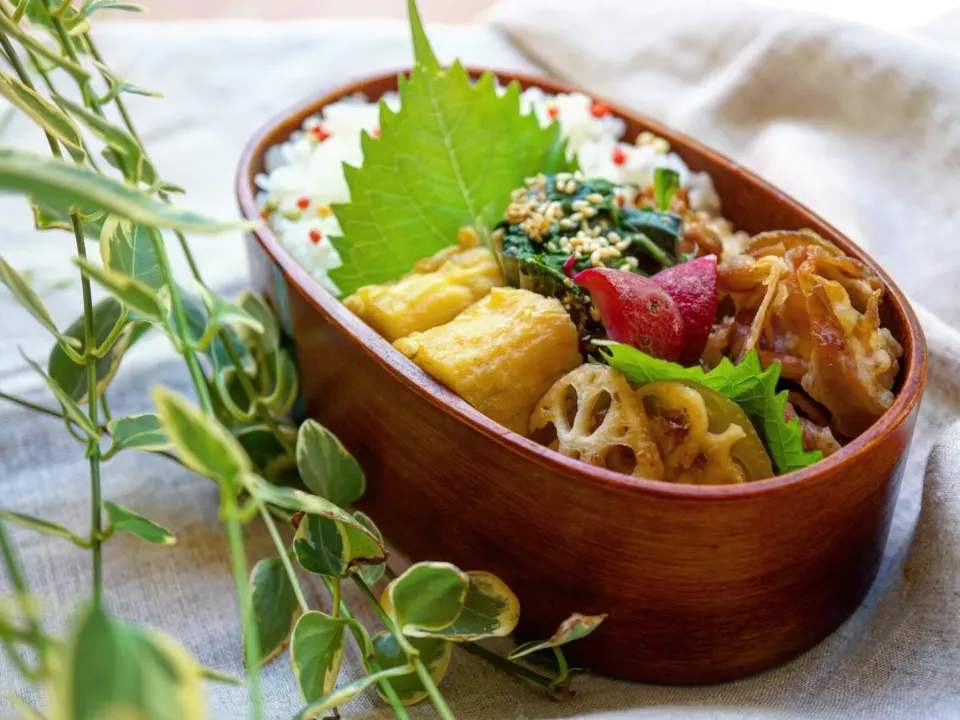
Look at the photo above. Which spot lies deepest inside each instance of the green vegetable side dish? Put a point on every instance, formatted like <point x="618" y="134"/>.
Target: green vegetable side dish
<point x="560" y="224"/>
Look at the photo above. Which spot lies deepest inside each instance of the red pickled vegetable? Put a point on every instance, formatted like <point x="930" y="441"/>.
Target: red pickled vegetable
<point x="693" y="288"/>
<point x="635" y="310"/>
<point x="568" y="265"/>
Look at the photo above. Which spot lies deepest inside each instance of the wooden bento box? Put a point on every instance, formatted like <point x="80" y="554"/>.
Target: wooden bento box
<point x="700" y="584"/>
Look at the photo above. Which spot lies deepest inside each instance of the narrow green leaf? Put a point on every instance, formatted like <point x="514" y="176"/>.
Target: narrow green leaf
<point x="130" y="89"/>
<point x="109" y="666"/>
<point x="364" y="544"/>
<point x="573" y="628"/>
<point x="92" y="7"/>
<point x="490" y="609"/>
<point x="129" y="249"/>
<point x="203" y="444"/>
<point x="51" y="119"/>
<point x="38" y="48"/>
<point x="46" y="217"/>
<point x="168" y="187"/>
<point x="40" y="525"/>
<point x="258" y="308"/>
<point x="114" y="136"/>
<point x="213" y="675"/>
<point x="107" y="314"/>
<point x="316" y="653"/>
<point x="435" y="654"/>
<point x="125" y="520"/>
<point x="429" y="596"/>
<point x="132" y="293"/>
<point x="268" y="456"/>
<point x="70" y="408"/>
<point x="278" y="377"/>
<point x="326" y="467"/>
<point x="350" y="691"/>
<point x="62" y="185"/>
<point x="371" y="574"/>
<point x="223" y="313"/>
<point x="115" y="159"/>
<point x="30" y="301"/>
<point x="27" y="712"/>
<point x="138" y="432"/>
<point x="274" y="606"/>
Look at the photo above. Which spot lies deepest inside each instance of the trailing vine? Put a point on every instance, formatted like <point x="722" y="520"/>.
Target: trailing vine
<point x="100" y="185"/>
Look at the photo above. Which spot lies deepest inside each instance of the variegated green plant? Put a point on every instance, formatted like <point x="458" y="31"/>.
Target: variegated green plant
<point x="100" y="185"/>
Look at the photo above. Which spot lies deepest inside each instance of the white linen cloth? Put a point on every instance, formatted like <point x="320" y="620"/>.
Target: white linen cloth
<point x="862" y="126"/>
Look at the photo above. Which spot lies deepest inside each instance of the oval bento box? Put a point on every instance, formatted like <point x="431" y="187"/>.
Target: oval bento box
<point x="700" y="584"/>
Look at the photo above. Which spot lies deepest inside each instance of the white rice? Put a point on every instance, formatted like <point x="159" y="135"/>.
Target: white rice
<point x="305" y="171"/>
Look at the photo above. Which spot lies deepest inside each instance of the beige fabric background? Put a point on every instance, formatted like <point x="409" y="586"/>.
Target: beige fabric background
<point x="862" y="126"/>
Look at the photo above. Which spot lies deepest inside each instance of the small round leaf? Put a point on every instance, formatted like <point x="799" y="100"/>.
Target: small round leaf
<point x="434" y="653"/>
<point x="124" y="520"/>
<point x="274" y="606"/>
<point x="428" y="596"/>
<point x="204" y="445"/>
<point x="316" y="652"/>
<point x="326" y="467"/>
<point x="108" y="664"/>
<point x="573" y="628"/>
<point x="489" y="610"/>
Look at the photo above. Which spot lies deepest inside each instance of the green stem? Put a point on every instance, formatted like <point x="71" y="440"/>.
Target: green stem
<point x="398" y="709"/>
<point x="335" y="596"/>
<point x="193" y="365"/>
<point x="89" y="339"/>
<point x="563" y="672"/>
<point x="30" y="405"/>
<point x="25" y="79"/>
<point x="90" y="346"/>
<point x="23" y="596"/>
<point x="509" y="666"/>
<point x="238" y="559"/>
<point x="284" y="558"/>
<point x="443" y="710"/>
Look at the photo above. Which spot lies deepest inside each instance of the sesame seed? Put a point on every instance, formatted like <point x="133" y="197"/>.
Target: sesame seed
<point x="570" y="188"/>
<point x="568" y="282"/>
<point x="625" y="266"/>
<point x="632" y="261"/>
<point x="613" y="237"/>
<point x="563" y="177"/>
<point x="566" y="224"/>
<point x="595" y="198"/>
<point x="589" y="212"/>
<point x="575" y="217"/>
<point x="579" y="205"/>
<point x="624" y="244"/>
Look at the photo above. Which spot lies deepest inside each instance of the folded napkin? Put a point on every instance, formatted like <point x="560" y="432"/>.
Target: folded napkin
<point x="855" y="123"/>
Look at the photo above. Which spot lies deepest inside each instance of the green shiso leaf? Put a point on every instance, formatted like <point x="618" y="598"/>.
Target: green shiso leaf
<point x="747" y="384"/>
<point x="448" y="158"/>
